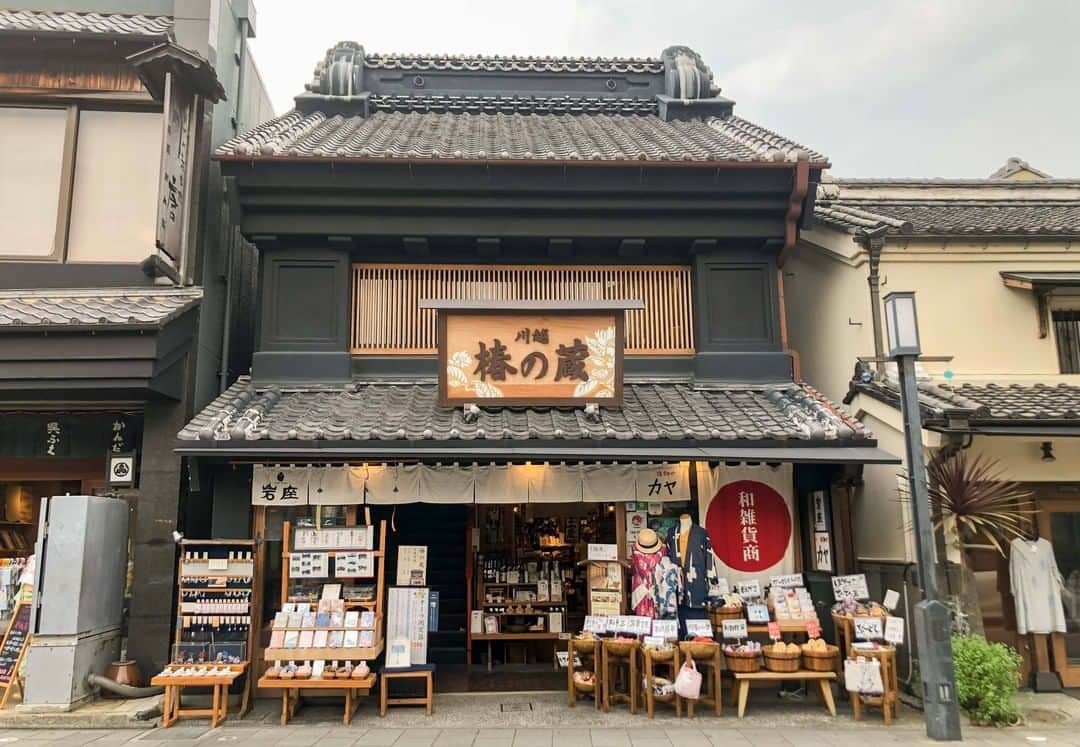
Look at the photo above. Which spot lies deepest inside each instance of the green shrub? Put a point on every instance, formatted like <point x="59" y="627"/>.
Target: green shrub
<point x="987" y="677"/>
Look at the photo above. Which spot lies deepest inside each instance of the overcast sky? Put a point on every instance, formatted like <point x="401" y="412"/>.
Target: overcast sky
<point x="883" y="87"/>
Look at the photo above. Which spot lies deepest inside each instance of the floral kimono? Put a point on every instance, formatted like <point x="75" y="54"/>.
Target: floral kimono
<point x="642" y="591"/>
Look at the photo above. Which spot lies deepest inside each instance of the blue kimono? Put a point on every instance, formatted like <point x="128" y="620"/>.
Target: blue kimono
<point x="700" y="581"/>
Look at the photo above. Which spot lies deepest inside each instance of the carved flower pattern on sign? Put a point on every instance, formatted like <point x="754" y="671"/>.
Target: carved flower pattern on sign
<point x="458" y="367"/>
<point x="600" y="365"/>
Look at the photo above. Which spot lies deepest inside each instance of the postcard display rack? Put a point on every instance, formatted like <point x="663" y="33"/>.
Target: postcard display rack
<point x="331" y="620"/>
<point x="215" y="588"/>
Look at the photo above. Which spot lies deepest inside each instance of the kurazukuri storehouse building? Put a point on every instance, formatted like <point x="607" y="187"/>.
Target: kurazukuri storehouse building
<point x="997" y="283"/>
<point x="507" y="301"/>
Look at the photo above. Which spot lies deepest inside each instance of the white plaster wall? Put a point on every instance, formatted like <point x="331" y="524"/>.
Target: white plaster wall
<point x="882" y="520"/>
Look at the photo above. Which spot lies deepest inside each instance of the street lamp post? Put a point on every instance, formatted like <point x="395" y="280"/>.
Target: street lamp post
<point x="932" y="626"/>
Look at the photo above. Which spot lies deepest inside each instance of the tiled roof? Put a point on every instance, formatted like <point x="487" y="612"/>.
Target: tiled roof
<point x="61" y="22"/>
<point x="512" y="64"/>
<point x="1015" y="404"/>
<point x="138" y="308"/>
<point x="426" y="135"/>
<point x="944" y="217"/>
<point x="396" y="412"/>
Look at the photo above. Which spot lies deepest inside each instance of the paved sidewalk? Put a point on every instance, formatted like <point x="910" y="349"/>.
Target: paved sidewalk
<point x="543" y="720"/>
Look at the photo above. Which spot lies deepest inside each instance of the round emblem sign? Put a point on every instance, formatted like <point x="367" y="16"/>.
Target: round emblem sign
<point x="749" y="526"/>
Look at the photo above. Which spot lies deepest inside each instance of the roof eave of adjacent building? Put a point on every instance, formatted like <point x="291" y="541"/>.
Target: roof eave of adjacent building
<point x="487" y="162"/>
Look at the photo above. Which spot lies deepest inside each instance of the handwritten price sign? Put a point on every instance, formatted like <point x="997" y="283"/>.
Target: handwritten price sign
<point x="789" y="581"/>
<point x="748" y="589"/>
<point x="850" y="587"/>
<point x="869" y="628"/>
<point x="734" y="629"/>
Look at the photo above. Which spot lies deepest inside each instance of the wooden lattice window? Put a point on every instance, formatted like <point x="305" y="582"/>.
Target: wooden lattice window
<point x="1067" y="332"/>
<point x="387" y="318"/>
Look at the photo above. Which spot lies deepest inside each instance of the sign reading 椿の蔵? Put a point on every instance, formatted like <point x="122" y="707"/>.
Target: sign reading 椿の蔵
<point x="548" y="357"/>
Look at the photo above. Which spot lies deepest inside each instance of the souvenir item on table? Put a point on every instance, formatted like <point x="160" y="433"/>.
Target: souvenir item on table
<point x="863" y="676"/>
<point x="743" y="657"/>
<point x="303" y="672"/>
<point x="646" y="556"/>
<point x="288" y="671"/>
<point x="361" y="670"/>
<point x="782" y="657"/>
<point x="851" y="608"/>
<point x="688" y="681"/>
<point x="819" y="656"/>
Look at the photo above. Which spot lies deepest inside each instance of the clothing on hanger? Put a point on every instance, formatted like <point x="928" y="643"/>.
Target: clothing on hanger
<point x="1036" y="585"/>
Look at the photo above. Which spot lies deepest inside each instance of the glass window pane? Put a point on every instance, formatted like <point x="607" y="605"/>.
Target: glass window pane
<point x="32" y="154"/>
<point x="1065" y="537"/>
<point x="116" y="184"/>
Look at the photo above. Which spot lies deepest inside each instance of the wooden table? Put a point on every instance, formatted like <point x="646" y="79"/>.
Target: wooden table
<point x="514" y="637"/>
<point x="423" y="672"/>
<point x="290" y="692"/>
<point x="743" y="680"/>
<point x="889" y="700"/>
<point x="218" y="711"/>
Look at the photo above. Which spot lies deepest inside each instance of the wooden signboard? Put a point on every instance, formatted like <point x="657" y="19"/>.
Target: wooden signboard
<point x="547" y="356"/>
<point x="13" y="648"/>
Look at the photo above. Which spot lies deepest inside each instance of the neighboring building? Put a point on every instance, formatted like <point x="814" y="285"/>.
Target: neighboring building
<point x="997" y="283"/>
<point x="523" y="184"/>
<point x="116" y="257"/>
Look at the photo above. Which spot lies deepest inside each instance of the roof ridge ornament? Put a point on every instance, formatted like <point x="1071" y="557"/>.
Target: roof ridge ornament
<point x="341" y="73"/>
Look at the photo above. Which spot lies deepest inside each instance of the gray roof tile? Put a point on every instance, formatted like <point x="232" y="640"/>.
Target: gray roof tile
<point x="388" y="412"/>
<point x="1020" y="404"/>
<point x="945" y="217"/>
<point x="428" y="135"/>
<point x="513" y="64"/>
<point x="63" y="22"/>
<point x="137" y="307"/>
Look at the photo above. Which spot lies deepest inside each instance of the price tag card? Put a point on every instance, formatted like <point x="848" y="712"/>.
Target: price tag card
<point x="595" y="624"/>
<point x="722" y="586"/>
<point x="892" y="598"/>
<point x="748" y="589"/>
<point x="734" y="629"/>
<point x="869" y="628"/>
<point x="665" y="629"/>
<point x="813" y="628"/>
<point x="774" y="631"/>
<point x="850" y="587"/>
<point x="619" y="624"/>
<point x="757" y="613"/>
<point x="701" y="628"/>
<point x="894" y="630"/>
<point x="603" y="552"/>
<point x="789" y="581"/>
<point x="640" y="625"/>
<point x="654" y="640"/>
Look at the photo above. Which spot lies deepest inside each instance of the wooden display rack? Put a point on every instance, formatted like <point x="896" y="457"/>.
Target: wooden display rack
<point x="291" y="688"/>
<point x="186" y="569"/>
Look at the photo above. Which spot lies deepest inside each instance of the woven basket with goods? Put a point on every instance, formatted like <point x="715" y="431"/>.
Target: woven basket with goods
<point x="661" y="654"/>
<point x="584" y="682"/>
<point x="742" y="661"/>
<point x="820" y="658"/>
<point x="584" y="645"/>
<point x="718" y="614"/>
<point x="663" y="689"/>
<point x="699" y="649"/>
<point x="782" y="657"/>
<point x="620" y="646"/>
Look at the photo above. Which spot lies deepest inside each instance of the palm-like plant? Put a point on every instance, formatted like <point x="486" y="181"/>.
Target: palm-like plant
<point x="972" y="492"/>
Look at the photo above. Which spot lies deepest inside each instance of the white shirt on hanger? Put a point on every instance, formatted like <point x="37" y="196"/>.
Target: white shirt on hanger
<point x="1036" y="585"/>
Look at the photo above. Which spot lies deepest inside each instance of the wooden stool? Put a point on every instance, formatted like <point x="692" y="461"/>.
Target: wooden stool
<point x="845" y="636"/>
<point x="889" y="700"/>
<point x="664" y="659"/>
<point x="706" y="656"/>
<point x="423" y="672"/>
<point x="586" y="649"/>
<point x="622" y="655"/>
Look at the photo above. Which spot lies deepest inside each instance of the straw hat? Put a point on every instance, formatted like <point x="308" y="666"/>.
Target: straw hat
<point x="648" y="542"/>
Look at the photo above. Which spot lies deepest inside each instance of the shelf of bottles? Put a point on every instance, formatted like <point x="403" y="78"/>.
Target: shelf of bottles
<point x="215" y="586"/>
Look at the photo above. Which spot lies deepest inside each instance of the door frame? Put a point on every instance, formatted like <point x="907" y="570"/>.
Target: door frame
<point x="1069" y="674"/>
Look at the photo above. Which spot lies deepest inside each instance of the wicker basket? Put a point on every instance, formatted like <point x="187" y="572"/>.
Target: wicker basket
<point x="620" y="648"/>
<point x="661" y="655"/>
<point x="821" y="661"/>
<point x="665" y="697"/>
<point x="782" y="662"/>
<point x="699" y="649"/>
<point x="584" y="645"/>
<point x="584" y="687"/>
<point x="717" y="615"/>
<point x="748" y="662"/>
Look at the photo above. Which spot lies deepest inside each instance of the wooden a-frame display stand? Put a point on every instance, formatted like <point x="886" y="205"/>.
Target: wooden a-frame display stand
<point x="291" y="688"/>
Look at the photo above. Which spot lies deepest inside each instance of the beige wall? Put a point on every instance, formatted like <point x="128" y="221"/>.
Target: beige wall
<point x="882" y="516"/>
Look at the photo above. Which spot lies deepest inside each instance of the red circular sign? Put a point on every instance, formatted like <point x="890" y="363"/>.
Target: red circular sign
<point x="749" y="525"/>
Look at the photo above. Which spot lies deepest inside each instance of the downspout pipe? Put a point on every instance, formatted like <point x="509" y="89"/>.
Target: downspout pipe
<point x="874" y="242"/>
<point x="96" y="681"/>
<point x="795" y="207"/>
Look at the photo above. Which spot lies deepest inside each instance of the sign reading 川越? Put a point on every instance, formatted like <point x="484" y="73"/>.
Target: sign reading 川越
<point x="552" y="357"/>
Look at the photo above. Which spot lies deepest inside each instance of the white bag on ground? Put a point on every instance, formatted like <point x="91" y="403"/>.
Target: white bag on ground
<point x="688" y="683"/>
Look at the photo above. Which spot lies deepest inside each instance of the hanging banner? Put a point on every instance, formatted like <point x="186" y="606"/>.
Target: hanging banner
<point x="446" y="483"/>
<point x="335" y="486"/>
<point x="553" y="483"/>
<point x="663" y="482"/>
<point x="749" y="518"/>
<point x="500" y="483"/>
<point x="609" y="483"/>
<point x="391" y="483"/>
<point x="275" y="485"/>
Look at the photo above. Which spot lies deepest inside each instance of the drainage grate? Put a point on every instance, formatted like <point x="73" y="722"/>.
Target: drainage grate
<point x="515" y="707"/>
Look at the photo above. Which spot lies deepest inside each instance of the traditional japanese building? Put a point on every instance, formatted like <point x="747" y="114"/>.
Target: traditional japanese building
<point x="117" y="262"/>
<point x="492" y="285"/>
